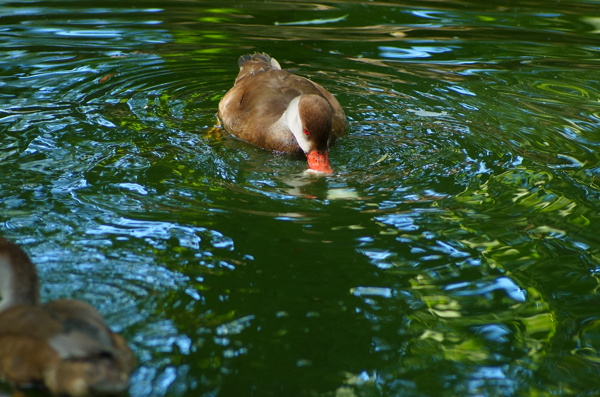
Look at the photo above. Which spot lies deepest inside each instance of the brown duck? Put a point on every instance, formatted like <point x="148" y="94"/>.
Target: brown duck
<point x="279" y="111"/>
<point x="63" y="345"/>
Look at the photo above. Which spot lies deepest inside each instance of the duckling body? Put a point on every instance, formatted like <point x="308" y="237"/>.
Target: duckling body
<point x="279" y="111"/>
<point x="63" y="345"/>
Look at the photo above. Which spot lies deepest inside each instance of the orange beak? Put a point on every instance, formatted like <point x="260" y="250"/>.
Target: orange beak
<point x="319" y="162"/>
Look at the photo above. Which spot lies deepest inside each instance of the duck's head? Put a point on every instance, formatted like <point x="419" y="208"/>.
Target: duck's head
<point x="309" y="119"/>
<point x="18" y="277"/>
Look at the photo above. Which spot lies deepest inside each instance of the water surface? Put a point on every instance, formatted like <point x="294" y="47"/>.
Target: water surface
<point x="453" y="252"/>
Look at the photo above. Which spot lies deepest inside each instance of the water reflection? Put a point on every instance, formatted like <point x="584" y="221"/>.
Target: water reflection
<point x="453" y="252"/>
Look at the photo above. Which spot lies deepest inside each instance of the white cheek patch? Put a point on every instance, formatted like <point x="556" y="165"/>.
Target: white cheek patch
<point x="6" y="281"/>
<point x="303" y="141"/>
<point x="292" y="119"/>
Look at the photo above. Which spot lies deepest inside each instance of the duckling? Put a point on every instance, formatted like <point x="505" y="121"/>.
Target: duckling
<point x="63" y="345"/>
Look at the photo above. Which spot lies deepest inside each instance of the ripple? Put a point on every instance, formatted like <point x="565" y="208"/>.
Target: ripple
<point x="456" y="237"/>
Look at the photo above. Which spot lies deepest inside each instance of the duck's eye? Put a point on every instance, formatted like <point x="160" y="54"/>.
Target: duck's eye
<point x="306" y="132"/>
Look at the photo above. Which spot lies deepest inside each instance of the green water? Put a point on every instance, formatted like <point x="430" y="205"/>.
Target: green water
<point x="454" y="252"/>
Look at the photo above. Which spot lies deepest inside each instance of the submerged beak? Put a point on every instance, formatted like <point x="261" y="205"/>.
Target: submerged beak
<point x="319" y="162"/>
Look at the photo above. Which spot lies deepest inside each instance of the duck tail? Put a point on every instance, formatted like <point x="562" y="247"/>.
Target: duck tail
<point x="259" y="59"/>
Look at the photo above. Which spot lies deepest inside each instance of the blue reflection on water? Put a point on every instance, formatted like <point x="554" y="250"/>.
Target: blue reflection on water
<point x="412" y="52"/>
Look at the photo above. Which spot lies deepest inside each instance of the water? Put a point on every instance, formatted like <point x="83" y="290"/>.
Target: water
<point x="453" y="252"/>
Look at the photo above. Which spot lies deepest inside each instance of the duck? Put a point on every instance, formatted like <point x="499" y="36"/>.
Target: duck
<point x="64" y="345"/>
<point x="282" y="112"/>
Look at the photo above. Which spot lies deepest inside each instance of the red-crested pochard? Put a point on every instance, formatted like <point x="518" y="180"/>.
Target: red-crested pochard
<point x="63" y="345"/>
<point x="279" y="111"/>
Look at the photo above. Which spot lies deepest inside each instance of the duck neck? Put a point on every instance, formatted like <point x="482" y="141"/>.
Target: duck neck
<point x="18" y="278"/>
